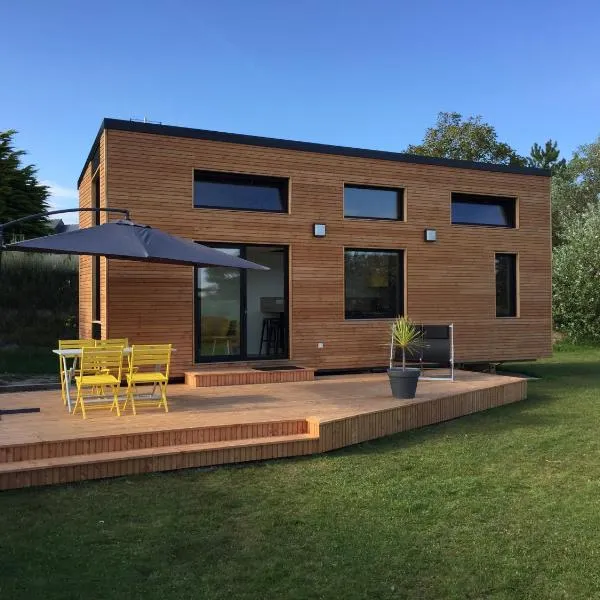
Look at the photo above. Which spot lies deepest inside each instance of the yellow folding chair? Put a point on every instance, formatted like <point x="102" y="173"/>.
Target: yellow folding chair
<point x="113" y="343"/>
<point x="99" y="368"/>
<point x="148" y="365"/>
<point x="70" y="345"/>
<point x="109" y="342"/>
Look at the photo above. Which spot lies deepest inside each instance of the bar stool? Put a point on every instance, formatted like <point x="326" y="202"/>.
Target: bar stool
<point x="271" y="337"/>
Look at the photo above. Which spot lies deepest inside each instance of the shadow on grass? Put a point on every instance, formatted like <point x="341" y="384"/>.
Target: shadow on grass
<point x="590" y="370"/>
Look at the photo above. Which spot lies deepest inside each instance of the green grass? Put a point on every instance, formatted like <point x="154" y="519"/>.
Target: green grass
<point x="28" y="361"/>
<point x="502" y="504"/>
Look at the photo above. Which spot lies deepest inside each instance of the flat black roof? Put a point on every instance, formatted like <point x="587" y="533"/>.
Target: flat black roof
<point x="265" y="142"/>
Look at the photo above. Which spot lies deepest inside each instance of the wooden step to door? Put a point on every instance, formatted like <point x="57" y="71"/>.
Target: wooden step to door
<point x="245" y="376"/>
<point x="68" y="469"/>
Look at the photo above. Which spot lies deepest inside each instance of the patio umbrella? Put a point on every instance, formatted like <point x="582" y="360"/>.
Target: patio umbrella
<point x="127" y="240"/>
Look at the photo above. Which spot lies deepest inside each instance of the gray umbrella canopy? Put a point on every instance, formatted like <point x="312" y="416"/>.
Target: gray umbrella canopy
<point x="129" y="241"/>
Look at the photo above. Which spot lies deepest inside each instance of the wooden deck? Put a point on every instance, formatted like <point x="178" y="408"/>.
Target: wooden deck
<point x="220" y="425"/>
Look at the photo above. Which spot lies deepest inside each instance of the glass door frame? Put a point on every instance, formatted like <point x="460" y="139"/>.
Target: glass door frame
<point x="243" y="303"/>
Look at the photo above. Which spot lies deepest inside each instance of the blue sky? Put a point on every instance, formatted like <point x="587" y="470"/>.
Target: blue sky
<point x="370" y="74"/>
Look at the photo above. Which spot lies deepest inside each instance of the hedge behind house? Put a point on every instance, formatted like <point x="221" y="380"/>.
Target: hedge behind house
<point x="38" y="299"/>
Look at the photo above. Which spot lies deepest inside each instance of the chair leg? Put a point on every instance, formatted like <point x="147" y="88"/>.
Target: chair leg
<point x="132" y="398"/>
<point x="63" y="393"/>
<point x="163" y="395"/>
<point x="80" y="402"/>
<point x="115" y="403"/>
<point x="126" y="397"/>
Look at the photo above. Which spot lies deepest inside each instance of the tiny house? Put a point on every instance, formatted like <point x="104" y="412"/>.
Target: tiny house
<point x="352" y="238"/>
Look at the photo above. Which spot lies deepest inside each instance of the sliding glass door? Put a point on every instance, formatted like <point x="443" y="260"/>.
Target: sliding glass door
<point x="242" y="314"/>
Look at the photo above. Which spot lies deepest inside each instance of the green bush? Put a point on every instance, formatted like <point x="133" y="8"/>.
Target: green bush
<point x="39" y="297"/>
<point x="576" y="279"/>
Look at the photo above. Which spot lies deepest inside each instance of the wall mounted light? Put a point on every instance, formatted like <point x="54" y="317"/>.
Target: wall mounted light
<point x="319" y="230"/>
<point x="430" y="235"/>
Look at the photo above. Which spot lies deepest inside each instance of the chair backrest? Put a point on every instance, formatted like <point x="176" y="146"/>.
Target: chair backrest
<point x="112" y="342"/>
<point x="75" y="344"/>
<point x="101" y="360"/>
<point x="150" y="357"/>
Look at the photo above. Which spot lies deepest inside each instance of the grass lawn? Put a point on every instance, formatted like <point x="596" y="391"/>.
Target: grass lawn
<point x="503" y="504"/>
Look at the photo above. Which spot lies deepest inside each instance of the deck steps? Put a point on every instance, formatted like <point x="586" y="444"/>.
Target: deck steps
<point x="245" y="376"/>
<point x="77" y="467"/>
<point x="150" y="439"/>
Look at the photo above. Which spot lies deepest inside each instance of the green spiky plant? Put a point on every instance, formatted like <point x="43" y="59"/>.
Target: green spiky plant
<point x="407" y="336"/>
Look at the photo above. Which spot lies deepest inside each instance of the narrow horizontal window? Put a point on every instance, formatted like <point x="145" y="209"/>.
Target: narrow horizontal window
<point x="374" y="283"/>
<point x="240" y="192"/>
<point x="373" y="202"/>
<point x="506" y="285"/>
<point x="479" y="209"/>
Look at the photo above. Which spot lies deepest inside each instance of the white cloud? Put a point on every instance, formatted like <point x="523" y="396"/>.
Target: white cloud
<point x="62" y="197"/>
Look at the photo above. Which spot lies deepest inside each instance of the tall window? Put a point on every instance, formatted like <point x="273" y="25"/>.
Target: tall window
<point x="373" y="202"/>
<point x="240" y="192"/>
<point x="479" y="209"/>
<point x="506" y="285"/>
<point x="374" y="283"/>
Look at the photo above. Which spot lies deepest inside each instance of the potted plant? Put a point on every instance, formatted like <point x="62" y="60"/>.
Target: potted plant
<point x="408" y="337"/>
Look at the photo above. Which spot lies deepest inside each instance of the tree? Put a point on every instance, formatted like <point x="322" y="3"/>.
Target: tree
<point x="20" y="192"/>
<point x="546" y="157"/>
<point x="575" y="187"/>
<point x="466" y="139"/>
<point x="576" y="277"/>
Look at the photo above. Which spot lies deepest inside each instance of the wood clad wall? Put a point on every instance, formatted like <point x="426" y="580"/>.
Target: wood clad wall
<point x="86" y="191"/>
<point x="452" y="280"/>
<point x="85" y="262"/>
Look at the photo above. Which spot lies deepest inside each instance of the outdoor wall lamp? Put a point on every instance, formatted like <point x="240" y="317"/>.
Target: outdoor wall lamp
<point x="430" y="235"/>
<point x="319" y="230"/>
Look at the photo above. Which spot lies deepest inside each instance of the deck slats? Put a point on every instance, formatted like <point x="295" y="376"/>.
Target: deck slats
<point x="345" y="411"/>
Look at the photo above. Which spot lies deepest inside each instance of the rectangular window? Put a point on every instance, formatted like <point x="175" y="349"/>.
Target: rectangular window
<point x="240" y="192"/>
<point x="374" y="283"/>
<point x="373" y="202"/>
<point x="506" y="285"/>
<point x="478" y="209"/>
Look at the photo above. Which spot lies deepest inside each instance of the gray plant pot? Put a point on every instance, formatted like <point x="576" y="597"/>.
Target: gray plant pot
<point x="403" y="382"/>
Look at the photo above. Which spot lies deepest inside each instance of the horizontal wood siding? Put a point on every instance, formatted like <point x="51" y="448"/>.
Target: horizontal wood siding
<point x="87" y="219"/>
<point x="452" y="280"/>
<point x="85" y="262"/>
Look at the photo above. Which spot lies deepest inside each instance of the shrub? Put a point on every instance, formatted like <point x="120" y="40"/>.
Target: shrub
<point x="576" y="278"/>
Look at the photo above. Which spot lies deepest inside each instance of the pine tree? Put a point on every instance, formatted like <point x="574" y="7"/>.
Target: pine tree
<point x="546" y="157"/>
<point x="20" y="192"/>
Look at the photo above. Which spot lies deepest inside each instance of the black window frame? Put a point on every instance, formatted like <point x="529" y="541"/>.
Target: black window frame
<point x="400" y="191"/>
<point x="243" y="300"/>
<point x="479" y="199"/>
<point x="514" y="291"/>
<point x="282" y="183"/>
<point x="399" y="292"/>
